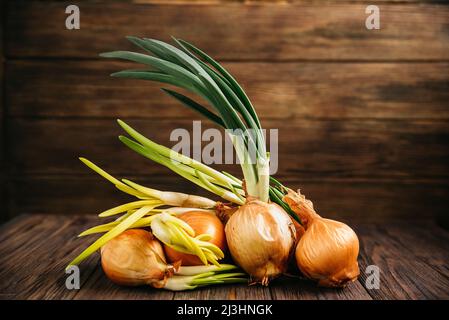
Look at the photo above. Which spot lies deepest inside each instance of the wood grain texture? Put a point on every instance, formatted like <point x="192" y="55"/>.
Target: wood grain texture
<point x="345" y="199"/>
<point x="417" y="236"/>
<point x="403" y="274"/>
<point x="301" y="289"/>
<point x="31" y="235"/>
<point x="229" y="292"/>
<point x="307" y="148"/>
<point x="303" y="31"/>
<point x="98" y="282"/>
<point x="35" y="248"/>
<point x="68" y="88"/>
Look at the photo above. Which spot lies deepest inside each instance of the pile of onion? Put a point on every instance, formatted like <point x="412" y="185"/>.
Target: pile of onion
<point x="260" y="234"/>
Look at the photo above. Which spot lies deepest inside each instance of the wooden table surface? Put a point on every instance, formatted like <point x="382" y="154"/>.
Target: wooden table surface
<point x="34" y="249"/>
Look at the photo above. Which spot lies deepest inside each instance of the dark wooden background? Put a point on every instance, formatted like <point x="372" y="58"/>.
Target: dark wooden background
<point x="363" y="115"/>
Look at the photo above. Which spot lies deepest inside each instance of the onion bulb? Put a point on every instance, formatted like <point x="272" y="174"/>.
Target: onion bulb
<point x="135" y="258"/>
<point x="202" y="223"/>
<point x="328" y="250"/>
<point x="260" y="238"/>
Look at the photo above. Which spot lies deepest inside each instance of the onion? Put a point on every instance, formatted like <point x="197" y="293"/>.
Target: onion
<point x="135" y="258"/>
<point x="260" y="238"/>
<point x="328" y="249"/>
<point x="202" y="223"/>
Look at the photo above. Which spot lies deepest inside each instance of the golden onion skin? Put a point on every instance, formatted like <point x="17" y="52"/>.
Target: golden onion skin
<point x="328" y="252"/>
<point x="328" y="249"/>
<point x="135" y="258"/>
<point x="260" y="238"/>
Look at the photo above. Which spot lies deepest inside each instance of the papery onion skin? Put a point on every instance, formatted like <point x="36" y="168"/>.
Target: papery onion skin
<point x="260" y="238"/>
<point x="328" y="250"/>
<point x="202" y="223"/>
<point x="135" y="258"/>
<point x="299" y="232"/>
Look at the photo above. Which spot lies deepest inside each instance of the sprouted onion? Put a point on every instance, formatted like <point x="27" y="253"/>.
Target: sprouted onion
<point x="169" y="229"/>
<point x="136" y="258"/>
<point x="269" y="234"/>
<point x="205" y="224"/>
<point x="180" y="236"/>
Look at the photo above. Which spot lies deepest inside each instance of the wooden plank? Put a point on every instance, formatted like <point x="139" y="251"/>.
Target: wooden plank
<point x="307" y="148"/>
<point x="99" y="287"/>
<point x="208" y="293"/>
<point x="22" y="222"/>
<point x="229" y="292"/>
<point x="37" y="237"/>
<point x="18" y="232"/>
<point x="418" y="236"/>
<point x="67" y="88"/>
<point x="347" y="199"/>
<point x="52" y="241"/>
<point x="226" y="292"/>
<point x="403" y="275"/>
<point x="307" y="31"/>
<point x="295" y="289"/>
